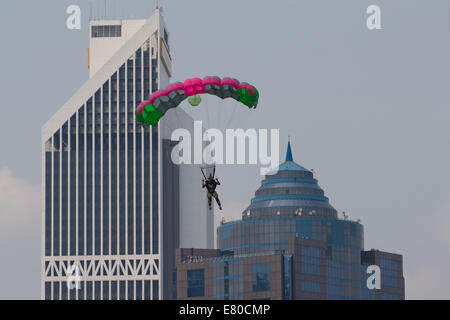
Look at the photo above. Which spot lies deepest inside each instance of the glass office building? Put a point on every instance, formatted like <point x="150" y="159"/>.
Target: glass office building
<point x="111" y="195"/>
<point x="291" y="244"/>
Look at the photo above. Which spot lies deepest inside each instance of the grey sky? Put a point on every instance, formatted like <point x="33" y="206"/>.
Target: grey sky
<point x="368" y="110"/>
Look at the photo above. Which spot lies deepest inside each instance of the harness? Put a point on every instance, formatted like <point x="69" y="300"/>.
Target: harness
<point x="211" y="186"/>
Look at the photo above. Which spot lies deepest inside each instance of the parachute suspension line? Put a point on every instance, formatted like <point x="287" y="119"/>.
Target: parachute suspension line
<point x="219" y="114"/>
<point x="224" y="118"/>
<point x="189" y="111"/>
<point x="167" y="126"/>
<point x="208" y="122"/>
<point x="178" y="119"/>
<point x="227" y="113"/>
<point x="201" y="169"/>
<point x="232" y="115"/>
<point x="204" y="167"/>
<point x="226" y="123"/>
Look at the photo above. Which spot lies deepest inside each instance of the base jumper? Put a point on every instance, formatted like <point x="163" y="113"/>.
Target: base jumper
<point x="211" y="185"/>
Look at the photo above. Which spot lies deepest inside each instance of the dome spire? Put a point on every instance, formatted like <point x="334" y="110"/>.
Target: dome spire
<point x="289" y="151"/>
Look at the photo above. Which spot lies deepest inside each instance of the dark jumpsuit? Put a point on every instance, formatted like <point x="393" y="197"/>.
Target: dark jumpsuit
<point x="211" y="187"/>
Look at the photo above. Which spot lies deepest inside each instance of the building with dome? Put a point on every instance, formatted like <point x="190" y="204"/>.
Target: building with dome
<point x="290" y="244"/>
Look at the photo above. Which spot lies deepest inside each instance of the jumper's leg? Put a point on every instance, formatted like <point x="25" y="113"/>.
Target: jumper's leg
<point x="209" y="200"/>
<point x="216" y="196"/>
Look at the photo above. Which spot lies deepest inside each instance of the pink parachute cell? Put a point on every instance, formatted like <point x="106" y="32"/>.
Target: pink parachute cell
<point x="230" y="82"/>
<point x="174" y="87"/>
<point x="193" y="86"/>
<point x="157" y="94"/>
<point x="211" y="81"/>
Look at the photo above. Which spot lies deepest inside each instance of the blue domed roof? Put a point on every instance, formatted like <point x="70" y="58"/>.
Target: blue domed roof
<point x="292" y="166"/>
<point x="288" y="190"/>
<point x="289" y="164"/>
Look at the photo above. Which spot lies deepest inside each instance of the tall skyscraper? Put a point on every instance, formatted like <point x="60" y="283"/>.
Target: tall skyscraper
<point x="111" y="194"/>
<point x="290" y="244"/>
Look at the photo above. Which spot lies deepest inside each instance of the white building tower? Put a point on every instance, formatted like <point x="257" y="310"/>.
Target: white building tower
<point x="114" y="206"/>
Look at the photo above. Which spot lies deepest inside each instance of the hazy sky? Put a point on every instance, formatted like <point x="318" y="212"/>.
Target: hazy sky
<point x="368" y="110"/>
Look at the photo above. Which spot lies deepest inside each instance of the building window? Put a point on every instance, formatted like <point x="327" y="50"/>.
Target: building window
<point x="389" y="272"/>
<point x="287" y="277"/>
<point x="310" y="260"/>
<point x="122" y="288"/>
<point x="166" y="38"/>
<point x="389" y="296"/>
<point x="106" y="31"/>
<point x="333" y="280"/>
<point x="174" y="284"/>
<point x="138" y="290"/>
<point x="261" y="276"/>
<point x="310" y="286"/>
<point x="196" y="283"/>
<point x="55" y="290"/>
<point x="147" y="286"/>
<point x="88" y="290"/>
<point x="97" y="290"/>
<point x="113" y="290"/>
<point x="48" y="290"/>
<point x="130" y="290"/>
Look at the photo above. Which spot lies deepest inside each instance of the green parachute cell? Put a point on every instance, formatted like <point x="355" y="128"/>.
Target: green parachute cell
<point x="151" y="115"/>
<point x="139" y="117"/>
<point x="255" y="96"/>
<point x="246" y="98"/>
<point x="195" y="100"/>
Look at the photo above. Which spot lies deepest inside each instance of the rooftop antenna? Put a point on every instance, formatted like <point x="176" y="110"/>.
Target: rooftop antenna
<point x="158" y="7"/>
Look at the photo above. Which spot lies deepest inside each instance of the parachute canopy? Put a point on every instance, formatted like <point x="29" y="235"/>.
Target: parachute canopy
<point x="149" y="112"/>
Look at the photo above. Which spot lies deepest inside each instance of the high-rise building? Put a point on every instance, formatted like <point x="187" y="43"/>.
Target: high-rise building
<point x="111" y="205"/>
<point x="290" y="244"/>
